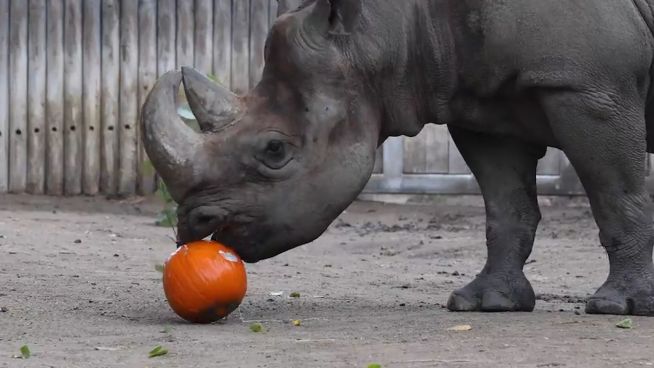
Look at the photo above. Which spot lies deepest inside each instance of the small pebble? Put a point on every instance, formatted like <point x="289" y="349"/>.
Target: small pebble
<point x="4" y="309"/>
<point x="78" y="241"/>
<point x="116" y="255"/>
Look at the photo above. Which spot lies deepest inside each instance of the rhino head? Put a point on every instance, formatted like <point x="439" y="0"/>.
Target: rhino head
<point x="273" y="168"/>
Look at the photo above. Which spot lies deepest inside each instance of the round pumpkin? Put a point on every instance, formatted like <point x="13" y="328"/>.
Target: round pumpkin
<point x="204" y="281"/>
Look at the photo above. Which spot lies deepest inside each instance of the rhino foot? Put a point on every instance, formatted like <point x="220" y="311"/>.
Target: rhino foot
<point x="632" y="294"/>
<point x="494" y="293"/>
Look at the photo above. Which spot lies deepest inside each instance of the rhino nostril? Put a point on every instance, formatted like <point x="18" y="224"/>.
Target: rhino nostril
<point x="205" y="219"/>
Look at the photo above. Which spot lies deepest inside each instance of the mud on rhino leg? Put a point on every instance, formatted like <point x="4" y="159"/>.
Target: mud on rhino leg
<point x="605" y="139"/>
<point x="506" y="171"/>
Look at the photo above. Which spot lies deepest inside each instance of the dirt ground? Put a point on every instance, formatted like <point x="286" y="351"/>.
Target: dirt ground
<point x="78" y="284"/>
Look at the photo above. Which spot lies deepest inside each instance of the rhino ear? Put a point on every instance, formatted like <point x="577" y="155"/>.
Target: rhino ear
<point x="341" y="16"/>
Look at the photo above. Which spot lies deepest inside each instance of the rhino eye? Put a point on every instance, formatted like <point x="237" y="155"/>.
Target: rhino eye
<point x="275" y="148"/>
<point x="275" y="155"/>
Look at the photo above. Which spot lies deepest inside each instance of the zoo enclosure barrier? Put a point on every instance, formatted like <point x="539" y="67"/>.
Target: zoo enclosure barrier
<point x="74" y="73"/>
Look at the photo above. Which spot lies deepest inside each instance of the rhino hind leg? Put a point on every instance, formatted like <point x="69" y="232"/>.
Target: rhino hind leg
<point x="605" y="141"/>
<point x="506" y="171"/>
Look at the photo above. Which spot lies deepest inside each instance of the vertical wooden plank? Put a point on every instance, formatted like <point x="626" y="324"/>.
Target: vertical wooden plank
<point x="4" y="96"/>
<point x="36" y="98"/>
<point x="147" y="78"/>
<point x="551" y="163"/>
<point x="73" y="121"/>
<point x="92" y="95"/>
<point x="110" y="94"/>
<point x="258" y="33"/>
<point x="222" y="41"/>
<point x="272" y="12"/>
<point x="240" y="45"/>
<point x="203" y="35"/>
<point x="165" y="36"/>
<point x="128" y="97"/>
<point x="18" y="18"/>
<point x="428" y="152"/>
<point x="456" y="162"/>
<point x="55" y="98"/>
<point x="185" y="31"/>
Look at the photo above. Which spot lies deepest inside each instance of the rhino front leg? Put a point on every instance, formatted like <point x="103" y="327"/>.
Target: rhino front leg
<point x="506" y="171"/>
<point x="604" y="136"/>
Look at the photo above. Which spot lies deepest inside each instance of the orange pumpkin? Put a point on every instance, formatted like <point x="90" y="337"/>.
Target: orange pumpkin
<point x="204" y="281"/>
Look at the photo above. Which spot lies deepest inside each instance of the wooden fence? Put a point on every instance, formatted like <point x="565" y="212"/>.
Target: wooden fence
<point x="73" y="75"/>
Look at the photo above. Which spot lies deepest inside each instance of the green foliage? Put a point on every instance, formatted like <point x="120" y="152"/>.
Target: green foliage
<point x="157" y="351"/>
<point x="626" y="324"/>
<point x="256" y="327"/>
<point x="374" y="365"/>
<point x="25" y="352"/>
<point x="168" y="215"/>
<point x="295" y="294"/>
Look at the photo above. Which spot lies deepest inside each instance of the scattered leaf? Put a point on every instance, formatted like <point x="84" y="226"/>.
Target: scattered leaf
<point x="157" y="351"/>
<point x="159" y="267"/>
<point x="295" y="294"/>
<point x="460" y="328"/>
<point x="256" y="327"/>
<point x="25" y="352"/>
<point x="374" y="365"/>
<point x="626" y="324"/>
<point x="296" y="322"/>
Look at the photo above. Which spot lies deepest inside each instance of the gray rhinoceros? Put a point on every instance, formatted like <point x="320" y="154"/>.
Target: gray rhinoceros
<point x="272" y="169"/>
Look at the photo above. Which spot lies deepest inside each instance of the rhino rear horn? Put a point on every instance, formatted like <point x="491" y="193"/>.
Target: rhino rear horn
<point x="213" y="105"/>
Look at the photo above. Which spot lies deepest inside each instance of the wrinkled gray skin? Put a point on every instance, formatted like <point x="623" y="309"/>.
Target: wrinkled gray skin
<point x="509" y="78"/>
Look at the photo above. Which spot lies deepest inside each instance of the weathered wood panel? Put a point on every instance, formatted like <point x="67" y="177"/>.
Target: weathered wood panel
<point x="185" y="31"/>
<point x="92" y="95"/>
<point x="258" y="31"/>
<point x="428" y="152"/>
<point x="165" y="36"/>
<point x="222" y="41"/>
<point x="240" y="46"/>
<point x="273" y="12"/>
<point x="110" y="94"/>
<point x="36" y="97"/>
<point x="128" y="97"/>
<point x="18" y="19"/>
<point x="73" y="121"/>
<point x="4" y="95"/>
<point x="147" y="78"/>
<point x="55" y="98"/>
<point x="203" y="36"/>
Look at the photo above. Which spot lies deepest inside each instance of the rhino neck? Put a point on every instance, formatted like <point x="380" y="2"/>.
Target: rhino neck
<point x="408" y="64"/>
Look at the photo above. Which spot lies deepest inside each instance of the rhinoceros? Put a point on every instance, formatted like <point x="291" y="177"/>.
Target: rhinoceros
<point x="273" y="168"/>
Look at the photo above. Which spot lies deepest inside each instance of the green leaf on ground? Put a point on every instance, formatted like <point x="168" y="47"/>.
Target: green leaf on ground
<point x="256" y="327"/>
<point x="167" y="329"/>
<point x="374" y="365"/>
<point x="159" y="267"/>
<point x="626" y="324"/>
<point x="157" y="351"/>
<point x="295" y="294"/>
<point x="25" y="352"/>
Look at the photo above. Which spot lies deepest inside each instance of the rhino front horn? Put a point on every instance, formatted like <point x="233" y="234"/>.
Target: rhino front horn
<point x="213" y="105"/>
<point x="172" y="146"/>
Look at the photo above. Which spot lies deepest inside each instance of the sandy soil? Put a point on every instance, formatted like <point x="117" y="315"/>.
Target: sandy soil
<point x="78" y="285"/>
